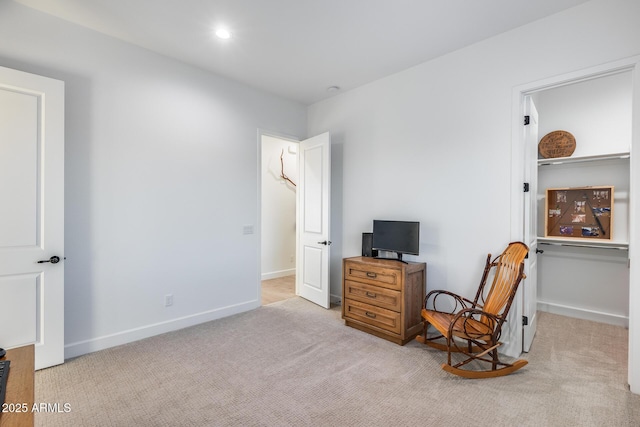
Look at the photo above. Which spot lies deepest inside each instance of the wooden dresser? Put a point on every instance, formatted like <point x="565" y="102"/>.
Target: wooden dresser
<point x="17" y="411"/>
<point x="383" y="297"/>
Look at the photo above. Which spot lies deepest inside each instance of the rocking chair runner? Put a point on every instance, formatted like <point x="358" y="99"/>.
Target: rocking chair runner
<point x="474" y="327"/>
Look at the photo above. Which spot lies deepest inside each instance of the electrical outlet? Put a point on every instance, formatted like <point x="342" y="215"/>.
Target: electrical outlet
<point x="168" y="300"/>
<point x="247" y="229"/>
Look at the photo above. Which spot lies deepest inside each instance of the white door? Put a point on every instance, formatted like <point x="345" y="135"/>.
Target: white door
<point x="32" y="214"/>
<point x="313" y="219"/>
<point x="530" y="284"/>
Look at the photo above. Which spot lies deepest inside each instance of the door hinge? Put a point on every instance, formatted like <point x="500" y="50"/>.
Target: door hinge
<point x="526" y="187"/>
<point x="525" y="321"/>
<point x="526" y="120"/>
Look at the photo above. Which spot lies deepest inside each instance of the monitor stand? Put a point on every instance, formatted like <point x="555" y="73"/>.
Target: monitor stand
<point x="399" y="258"/>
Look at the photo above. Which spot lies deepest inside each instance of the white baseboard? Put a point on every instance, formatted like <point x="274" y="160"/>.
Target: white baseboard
<point x="335" y="299"/>
<point x="276" y="274"/>
<point x="583" y="313"/>
<point x="100" y="343"/>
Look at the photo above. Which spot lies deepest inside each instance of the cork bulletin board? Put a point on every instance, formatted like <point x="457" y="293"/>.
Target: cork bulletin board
<point x="579" y="212"/>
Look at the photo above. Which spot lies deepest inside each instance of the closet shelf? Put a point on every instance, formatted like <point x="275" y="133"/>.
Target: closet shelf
<point x="584" y="243"/>
<point x="568" y="160"/>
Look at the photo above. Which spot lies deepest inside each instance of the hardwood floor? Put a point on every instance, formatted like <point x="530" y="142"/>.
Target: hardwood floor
<point x="278" y="289"/>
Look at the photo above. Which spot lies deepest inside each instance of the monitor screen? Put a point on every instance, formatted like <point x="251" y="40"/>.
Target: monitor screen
<point x="402" y="237"/>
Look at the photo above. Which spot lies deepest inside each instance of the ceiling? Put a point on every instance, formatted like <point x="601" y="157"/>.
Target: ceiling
<point x="298" y="48"/>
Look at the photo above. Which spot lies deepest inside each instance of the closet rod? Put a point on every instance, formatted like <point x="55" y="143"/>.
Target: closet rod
<point x="621" y="248"/>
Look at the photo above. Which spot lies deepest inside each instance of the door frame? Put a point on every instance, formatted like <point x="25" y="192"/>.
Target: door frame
<point x="293" y="139"/>
<point x="530" y="284"/>
<point x="631" y="64"/>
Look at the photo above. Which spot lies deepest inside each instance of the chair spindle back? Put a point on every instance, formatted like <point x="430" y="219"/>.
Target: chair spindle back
<point x="508" y="274"/>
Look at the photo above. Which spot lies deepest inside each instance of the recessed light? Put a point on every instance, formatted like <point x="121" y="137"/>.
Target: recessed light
<point x="333" y="88"/>
<point x="223" y="33"/>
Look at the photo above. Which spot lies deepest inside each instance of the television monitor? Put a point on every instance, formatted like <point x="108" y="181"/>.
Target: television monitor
<point x="401" y="237"/>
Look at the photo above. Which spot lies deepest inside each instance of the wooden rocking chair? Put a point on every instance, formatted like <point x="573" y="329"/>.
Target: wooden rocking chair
<point x="474" y="327"/>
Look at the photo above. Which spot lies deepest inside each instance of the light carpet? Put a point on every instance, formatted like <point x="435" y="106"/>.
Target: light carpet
<point x="292" y="363"/>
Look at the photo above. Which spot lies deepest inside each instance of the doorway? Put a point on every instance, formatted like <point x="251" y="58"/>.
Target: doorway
<point x="279" y="178"/>
<point x="597" y="153"/>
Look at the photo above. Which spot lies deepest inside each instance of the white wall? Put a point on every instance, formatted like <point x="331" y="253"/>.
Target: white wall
<point x="278" y="216"/>
<point x="597" y="112"/>
<point x="161" y="178"/>
<point x="433" y="143"/>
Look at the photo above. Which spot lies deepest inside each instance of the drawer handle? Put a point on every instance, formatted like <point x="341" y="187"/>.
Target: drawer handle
<point x="372" y="275"/>
<point x="371" y="295"/>
<point x="369" y="314"/>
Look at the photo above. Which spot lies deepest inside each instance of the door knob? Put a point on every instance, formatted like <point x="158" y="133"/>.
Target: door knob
<point x="53" y="260"/>
<point x="539" y="251"/>
<point x="325" y="242"/>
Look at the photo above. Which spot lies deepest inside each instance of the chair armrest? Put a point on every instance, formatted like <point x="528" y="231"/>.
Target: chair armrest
<point x="460" y="302"/>
<point x="460" y="321"/>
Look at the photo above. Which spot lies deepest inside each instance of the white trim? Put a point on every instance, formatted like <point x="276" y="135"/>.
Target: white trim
<point x="596" y="72"/>
<point x="583" y="313"/>
<point x="634" y="236"/>
<point x="277" y="274"/>
<point x="107" y="341"/>
<point x="335" y="299"/>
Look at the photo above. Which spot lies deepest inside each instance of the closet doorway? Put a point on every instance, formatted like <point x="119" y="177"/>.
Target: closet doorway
<point x="278" y="182"/>
<point x="603" y="154"/>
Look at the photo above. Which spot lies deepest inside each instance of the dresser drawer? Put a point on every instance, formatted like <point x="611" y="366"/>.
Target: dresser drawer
<point x="374" y="275"/>
<point x="372" y="315"/>
<point x="375" y="295"/>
